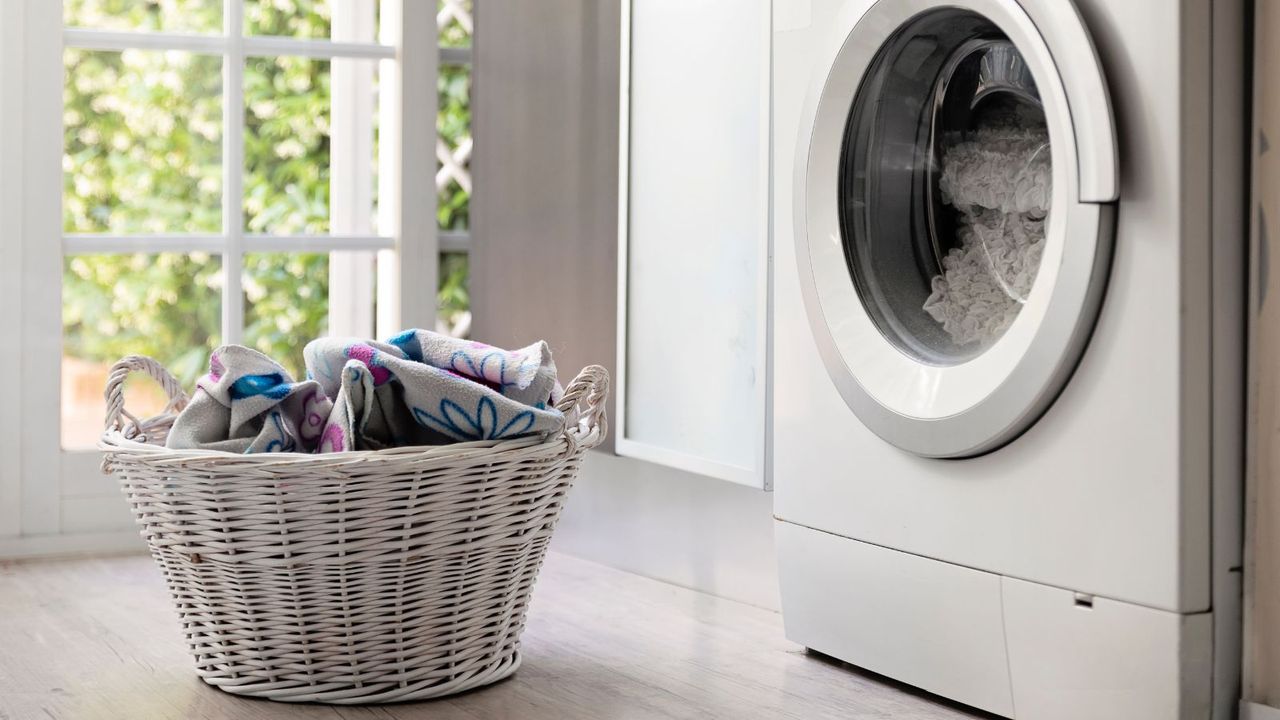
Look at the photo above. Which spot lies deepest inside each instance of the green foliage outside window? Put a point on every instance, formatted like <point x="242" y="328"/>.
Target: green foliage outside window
<point x="453" y="203"/>
<point x="143" y="133"/>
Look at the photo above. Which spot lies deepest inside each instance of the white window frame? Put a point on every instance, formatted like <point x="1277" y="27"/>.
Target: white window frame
<point x="54" y="500"/>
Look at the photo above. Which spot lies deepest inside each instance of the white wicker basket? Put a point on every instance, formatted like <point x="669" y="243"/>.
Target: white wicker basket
<point x="355" y="577"/>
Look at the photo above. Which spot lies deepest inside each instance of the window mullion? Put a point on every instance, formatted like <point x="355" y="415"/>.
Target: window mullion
<point x="233" y="172"/>
<point x="253" y="46"/>
<point x="455" y="241"/>
<point x="351" y="274"/>
<point x="98" y="243"/>
<point x="455" y="56"/>
<point x="32" y="120"/>
<point x="272" y="46"/>
<point x="406" y="178"/>
<point x="121" y="40"/>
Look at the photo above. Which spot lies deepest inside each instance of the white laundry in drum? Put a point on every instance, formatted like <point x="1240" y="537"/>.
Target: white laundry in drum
<point x="998" y="180"/>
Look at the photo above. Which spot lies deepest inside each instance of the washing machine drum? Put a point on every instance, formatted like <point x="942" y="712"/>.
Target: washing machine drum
<point x="954" y="209"/>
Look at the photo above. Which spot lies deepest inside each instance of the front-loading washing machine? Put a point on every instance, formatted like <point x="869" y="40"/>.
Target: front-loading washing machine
<point x="1008" y="340"/>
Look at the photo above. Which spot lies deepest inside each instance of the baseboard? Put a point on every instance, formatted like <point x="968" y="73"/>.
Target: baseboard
<point x="1254" y="711"/>
<point x="41" y="546"/>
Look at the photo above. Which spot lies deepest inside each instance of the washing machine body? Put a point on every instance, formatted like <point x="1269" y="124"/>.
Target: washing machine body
<point x="1026" y="497"/>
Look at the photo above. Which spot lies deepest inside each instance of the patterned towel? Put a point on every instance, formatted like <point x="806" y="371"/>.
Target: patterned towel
<point x="422" y="388"/>
<point x="249" y="404"/>
<point x="419" y="388"/>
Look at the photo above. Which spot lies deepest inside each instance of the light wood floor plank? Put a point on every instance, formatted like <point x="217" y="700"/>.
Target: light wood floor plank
<point x="90" y="639"/>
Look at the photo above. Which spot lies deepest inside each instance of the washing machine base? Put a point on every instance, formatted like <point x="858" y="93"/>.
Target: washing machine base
<point x="1011" y="647"/>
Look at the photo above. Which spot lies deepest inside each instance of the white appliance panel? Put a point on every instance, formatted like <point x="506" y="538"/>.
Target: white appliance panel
<point x="1065" y="662"/>
<point x="1109" y="492"/>
<point x="937" y="626"/>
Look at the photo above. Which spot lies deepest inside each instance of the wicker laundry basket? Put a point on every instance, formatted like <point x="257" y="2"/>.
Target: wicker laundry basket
<point x="354" y="577"/>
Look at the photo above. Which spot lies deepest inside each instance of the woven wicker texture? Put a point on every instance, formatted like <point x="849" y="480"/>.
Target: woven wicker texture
<point x="356" y="577"/>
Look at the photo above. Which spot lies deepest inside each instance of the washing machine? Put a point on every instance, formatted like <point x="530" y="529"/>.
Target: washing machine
<point x="1009" y="259"/>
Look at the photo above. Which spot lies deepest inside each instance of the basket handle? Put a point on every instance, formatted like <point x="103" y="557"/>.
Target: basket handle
<point x="588" y="393"/>
<point x="115" y="391"/>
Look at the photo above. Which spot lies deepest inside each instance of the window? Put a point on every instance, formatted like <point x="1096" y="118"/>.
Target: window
<point x="182" y="173"/>
<point x="223" y="164"/>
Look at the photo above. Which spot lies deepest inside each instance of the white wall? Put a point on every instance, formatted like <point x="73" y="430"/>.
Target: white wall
<point x="544" y="265"/>
<point x="709" y="535"/>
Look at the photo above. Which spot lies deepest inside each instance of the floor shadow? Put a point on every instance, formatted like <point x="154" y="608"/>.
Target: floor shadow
<point x="901" y="686"/>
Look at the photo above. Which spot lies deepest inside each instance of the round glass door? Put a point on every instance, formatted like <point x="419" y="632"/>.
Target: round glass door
<point x="954" y="216"/>
<point x="945" y="186"/>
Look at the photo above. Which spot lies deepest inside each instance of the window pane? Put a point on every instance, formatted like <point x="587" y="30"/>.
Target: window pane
<point x="455" y="21"/>
<point x="165" y="305"/>
<point x="295" y="146"/>
<point x="345" y="20"/>
<point x="195" y="16"/>
<point x="453" y="154"/>
<point x="142" y="142"/>
<point x="286" y="304"/>
<point x="453" y="299"/>
<point x="291" y="18"/>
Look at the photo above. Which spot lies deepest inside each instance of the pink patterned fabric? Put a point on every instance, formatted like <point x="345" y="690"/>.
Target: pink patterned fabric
<point x="369" y="356"/>
<point x="334" y="440"/>
<point x="418" y="388"/>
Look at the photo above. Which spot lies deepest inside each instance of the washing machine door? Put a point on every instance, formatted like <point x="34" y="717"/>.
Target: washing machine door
<point x="954" y="212"/>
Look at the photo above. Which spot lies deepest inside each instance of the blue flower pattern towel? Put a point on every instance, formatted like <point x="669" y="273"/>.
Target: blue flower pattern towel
<point x="417" y="388"/>
<point x="248" y="403"/>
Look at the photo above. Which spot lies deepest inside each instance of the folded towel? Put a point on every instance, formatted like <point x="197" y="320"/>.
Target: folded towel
<point x="422" y="388"/>
<point x="249" y="404"/>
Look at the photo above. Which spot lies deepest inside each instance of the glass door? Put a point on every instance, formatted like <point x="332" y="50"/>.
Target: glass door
<point x="952" y="252"/>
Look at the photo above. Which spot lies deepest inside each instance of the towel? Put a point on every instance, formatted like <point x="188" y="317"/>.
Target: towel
<point x="248" y="403"/>
<point x="1005" y="169"/>
<point x="423" y="388"/>
<point x="418" y="388"/>
<point x="1000" y="182"/>
<point x="987" y="277"/>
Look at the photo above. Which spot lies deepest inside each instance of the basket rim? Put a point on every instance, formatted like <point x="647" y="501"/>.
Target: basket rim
<point x="583" y="405"/>
<point x="114" y="441"/>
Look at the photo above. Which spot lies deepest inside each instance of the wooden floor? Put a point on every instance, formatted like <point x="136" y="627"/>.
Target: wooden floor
<point x="95" y="638"/>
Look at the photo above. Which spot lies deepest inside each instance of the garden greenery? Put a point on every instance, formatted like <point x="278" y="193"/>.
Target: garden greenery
<point x="142" y="138"/>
